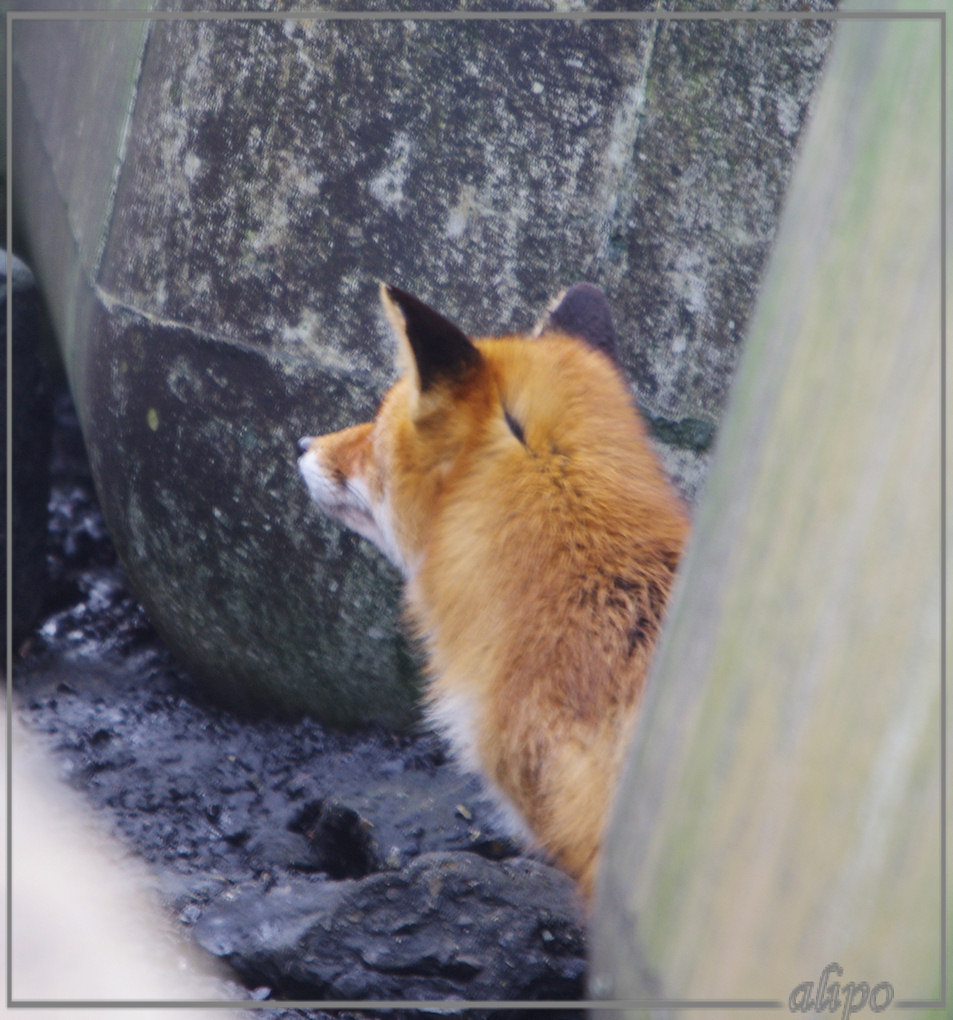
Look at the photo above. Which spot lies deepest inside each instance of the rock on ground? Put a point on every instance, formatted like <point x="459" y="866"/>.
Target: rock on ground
<point x="448" y="925"/>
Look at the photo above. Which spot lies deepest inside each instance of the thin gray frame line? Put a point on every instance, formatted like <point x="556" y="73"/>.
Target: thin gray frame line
<point x="425" y="15"/>
<point x="544" y="16"/>
<point x="944" y="891"/>
<point x="430" y="1005"/>
<point x="8" y="495"/>
<point x="943" y="507"/>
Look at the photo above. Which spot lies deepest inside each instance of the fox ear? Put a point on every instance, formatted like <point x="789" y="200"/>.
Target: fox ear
<point x="582" y="311"/>
<point x="438" y="349"/>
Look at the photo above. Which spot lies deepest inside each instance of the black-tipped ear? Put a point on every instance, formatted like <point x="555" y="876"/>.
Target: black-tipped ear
<point x="441" y="350"/>
<point x="583" y="311"/>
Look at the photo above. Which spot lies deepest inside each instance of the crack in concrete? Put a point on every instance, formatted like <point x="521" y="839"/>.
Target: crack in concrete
<point x="620" y="155"/>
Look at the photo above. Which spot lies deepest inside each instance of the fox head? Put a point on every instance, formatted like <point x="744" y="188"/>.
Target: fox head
<point x="385" y="478"/>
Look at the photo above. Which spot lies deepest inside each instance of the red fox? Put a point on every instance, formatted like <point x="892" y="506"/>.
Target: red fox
<point x="511" y="480"/>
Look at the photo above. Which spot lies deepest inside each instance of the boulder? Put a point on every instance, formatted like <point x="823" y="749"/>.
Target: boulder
<point x="211" y="203"/>
<point x="445" y="922"/>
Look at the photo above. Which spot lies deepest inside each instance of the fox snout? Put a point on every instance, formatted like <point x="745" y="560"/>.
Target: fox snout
<point x="324" y="485"/>
<point x="309" y="468"/>
<point x="339" y="473"/>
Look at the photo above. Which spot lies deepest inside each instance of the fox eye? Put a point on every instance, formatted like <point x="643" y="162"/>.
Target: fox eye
<point x="514" y="426"/>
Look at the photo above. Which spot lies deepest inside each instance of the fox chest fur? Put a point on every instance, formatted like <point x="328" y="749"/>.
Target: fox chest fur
<point x="511" y="481"/>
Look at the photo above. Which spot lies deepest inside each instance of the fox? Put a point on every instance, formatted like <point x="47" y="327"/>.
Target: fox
<point x="512" y="482"/>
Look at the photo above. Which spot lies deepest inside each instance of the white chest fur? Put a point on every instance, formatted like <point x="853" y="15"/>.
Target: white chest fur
<point x="455" y="716"/>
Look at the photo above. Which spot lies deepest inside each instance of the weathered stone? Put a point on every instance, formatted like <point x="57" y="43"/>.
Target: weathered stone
<point x="448" y="925"/>
<point x="30" y="446"/>
<point x="217" y="299"/>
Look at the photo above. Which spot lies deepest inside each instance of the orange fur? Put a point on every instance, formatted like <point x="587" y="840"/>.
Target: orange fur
<point x="539" y="537"/>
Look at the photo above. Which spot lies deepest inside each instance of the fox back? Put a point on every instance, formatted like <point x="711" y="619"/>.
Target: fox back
<point x="512" y="482"/>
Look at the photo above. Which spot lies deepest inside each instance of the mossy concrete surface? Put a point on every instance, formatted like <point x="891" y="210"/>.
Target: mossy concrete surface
<point x="209" y="205"/>
<point x="781" y="809"/>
